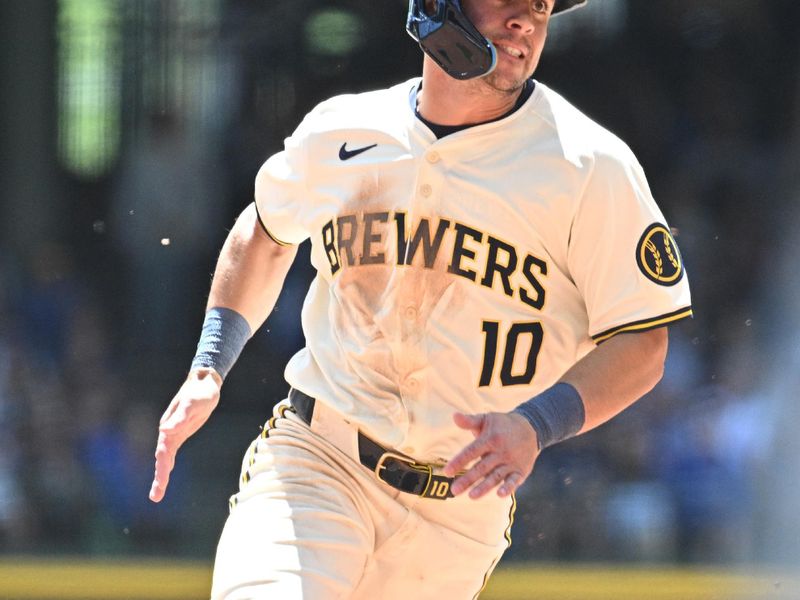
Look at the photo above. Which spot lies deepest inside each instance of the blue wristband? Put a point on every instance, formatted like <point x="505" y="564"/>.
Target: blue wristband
<point x="225" y="332"/>
<point x="556" y="414"/>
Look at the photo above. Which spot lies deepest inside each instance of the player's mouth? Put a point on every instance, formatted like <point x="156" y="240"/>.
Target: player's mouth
<point x="511" y="51"/>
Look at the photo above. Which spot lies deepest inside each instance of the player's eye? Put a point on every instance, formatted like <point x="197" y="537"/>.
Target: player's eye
<point x="540" y="6"/>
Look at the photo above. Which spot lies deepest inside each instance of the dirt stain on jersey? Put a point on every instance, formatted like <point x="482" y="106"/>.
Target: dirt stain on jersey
<point x="388" y="310"/>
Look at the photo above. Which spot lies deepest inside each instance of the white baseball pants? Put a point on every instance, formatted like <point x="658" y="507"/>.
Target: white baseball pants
<point x="310" y="522"/>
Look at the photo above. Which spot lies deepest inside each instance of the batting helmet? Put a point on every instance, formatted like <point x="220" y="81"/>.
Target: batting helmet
<point x="452" y="41"/>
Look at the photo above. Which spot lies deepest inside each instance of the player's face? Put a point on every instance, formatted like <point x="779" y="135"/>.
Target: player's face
<point x="518" y="29"/>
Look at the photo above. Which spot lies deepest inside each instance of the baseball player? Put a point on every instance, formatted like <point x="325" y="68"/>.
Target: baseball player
<point x="493" y="276"/>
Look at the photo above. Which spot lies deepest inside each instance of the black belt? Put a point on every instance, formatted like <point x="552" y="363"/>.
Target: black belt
<point x="398" y="470"/>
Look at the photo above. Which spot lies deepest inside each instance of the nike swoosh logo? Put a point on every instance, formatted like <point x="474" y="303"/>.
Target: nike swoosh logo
<point x="345" y="154"/>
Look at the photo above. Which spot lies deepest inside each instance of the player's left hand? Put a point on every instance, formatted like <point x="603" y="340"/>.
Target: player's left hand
<point x="503" y="452"/>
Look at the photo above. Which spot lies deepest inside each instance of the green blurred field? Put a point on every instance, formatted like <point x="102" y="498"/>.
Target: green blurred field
<point x="32" y="579"/>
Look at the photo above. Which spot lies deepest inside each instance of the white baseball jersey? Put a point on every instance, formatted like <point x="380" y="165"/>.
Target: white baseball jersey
<point x="466" y="273"/>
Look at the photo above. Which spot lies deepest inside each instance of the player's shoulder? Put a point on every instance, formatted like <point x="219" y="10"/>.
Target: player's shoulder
<point x="374" y="109"/>
<point x="578" y="135"/>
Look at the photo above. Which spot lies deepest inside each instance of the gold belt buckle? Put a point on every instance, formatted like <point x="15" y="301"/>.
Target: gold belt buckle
<point x="427" y="469"/>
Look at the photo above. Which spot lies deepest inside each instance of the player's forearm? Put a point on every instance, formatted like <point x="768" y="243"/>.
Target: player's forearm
<point x="250" y="270"/>
<point x="617" y="373"/>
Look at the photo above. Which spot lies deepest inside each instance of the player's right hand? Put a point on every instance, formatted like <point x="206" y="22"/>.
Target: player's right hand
<point x="188" y="411"/>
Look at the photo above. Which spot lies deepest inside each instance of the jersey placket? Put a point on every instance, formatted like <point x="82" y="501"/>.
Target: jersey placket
<point x="420" y="292"/>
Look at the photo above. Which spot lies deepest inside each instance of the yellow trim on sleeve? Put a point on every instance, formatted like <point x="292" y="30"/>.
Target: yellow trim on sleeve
<point x="644" y="325"/>
<point x="267" y="231"/>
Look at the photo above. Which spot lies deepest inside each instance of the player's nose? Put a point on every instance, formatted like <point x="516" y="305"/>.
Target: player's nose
<point x="521" y="21"/>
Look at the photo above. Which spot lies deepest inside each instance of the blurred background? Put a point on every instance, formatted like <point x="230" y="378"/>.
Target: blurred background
<point x="132" y="131"/>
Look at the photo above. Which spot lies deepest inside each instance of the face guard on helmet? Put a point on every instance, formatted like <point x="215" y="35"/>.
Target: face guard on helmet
<point x="452" y="41"/>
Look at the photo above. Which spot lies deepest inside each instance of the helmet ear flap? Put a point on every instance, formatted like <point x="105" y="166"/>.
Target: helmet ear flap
<point x="566" y="5"/>
<point x="448" y="37"/>
<point x="429" y="7"/>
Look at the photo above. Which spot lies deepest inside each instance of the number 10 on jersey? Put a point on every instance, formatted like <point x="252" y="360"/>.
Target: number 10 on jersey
<point x="518" y="337"/>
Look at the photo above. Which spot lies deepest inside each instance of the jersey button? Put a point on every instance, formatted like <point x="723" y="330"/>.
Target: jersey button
<point x="412" y="384"/>
<point x="425" y="190"/>
<point x="432" y="157"/>
<point x="411" y="313"/>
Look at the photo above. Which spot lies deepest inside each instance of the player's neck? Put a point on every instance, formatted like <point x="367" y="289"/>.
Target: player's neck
<point x="447" y="101"/>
